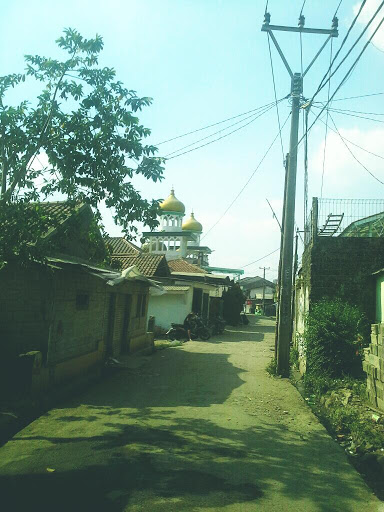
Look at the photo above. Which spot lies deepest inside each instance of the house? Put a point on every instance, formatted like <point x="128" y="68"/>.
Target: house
<point x="61" y="319"/>
<point x="186" y="286"/>
<point x="338" y="259"/>
<point x="256" y="289"/>
<point x="174" y="257"/>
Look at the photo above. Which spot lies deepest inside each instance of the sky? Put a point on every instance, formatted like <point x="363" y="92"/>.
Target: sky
<point x="203" y="61"/>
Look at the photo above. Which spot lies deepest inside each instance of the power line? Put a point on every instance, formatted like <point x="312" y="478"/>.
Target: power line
<point x="274" y="90"/>
<point x="355" y="97"/>
<point x="326" y="126"/>
<point x="354" y="143"/>
<point x="266" y="256"/>
<point x="214" y="124"/>
<point x="354" y="156"/>
<point x="338" y="7"/>
<point x="322" y="83"/>
<point x="222" y="137"/>
<point x="338" y="111"/>
<point x="348" y="72"/>
<point x="254" y="115"/>
<point x="249" y="179"/>
<point x="302" y="7"/>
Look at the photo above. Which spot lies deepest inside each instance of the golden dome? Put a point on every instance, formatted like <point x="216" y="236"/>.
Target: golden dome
<point x="192" y="224"/>
<point x="172" y="204"/>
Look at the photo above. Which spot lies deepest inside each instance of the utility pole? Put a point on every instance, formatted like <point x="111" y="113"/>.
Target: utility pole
<point x="284" y="325"/>
<point x="264" y="269"/>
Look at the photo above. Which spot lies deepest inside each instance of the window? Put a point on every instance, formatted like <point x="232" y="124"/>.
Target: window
<point x="82" y="300"/>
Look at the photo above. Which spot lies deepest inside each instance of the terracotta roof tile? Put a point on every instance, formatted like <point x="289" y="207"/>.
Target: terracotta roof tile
<point x="185" y="267"/>
<point x="149" y="265"/>
<point x="120" y="245"/>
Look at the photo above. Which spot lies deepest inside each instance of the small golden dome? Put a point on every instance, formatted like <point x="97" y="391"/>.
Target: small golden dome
<point x="172" y="204"/>
<point x="192" y="224"/>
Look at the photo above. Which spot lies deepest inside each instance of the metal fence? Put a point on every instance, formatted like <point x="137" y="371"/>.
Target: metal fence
<point x="345" y="217"/>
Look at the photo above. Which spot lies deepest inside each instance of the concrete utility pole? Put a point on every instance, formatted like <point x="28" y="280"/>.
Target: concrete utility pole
<point x="284" y="326"/>
<point x="264" y="269"/>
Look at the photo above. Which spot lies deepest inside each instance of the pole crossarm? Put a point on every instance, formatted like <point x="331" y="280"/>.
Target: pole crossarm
<point x="330" y="32"/>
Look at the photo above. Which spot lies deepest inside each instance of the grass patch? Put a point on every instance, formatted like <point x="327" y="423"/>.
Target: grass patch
<point x="272" y="367"/>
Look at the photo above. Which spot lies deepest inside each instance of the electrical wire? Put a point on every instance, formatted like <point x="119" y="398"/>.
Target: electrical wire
<point x="274" y="90"/>
<point x="354" y="143"/>
<point x="348" y="72"/>
<point x="249" y="179"/>
<point x="253" y="116"/>
<point x="326" y="127"/>
<point x="338" y="7"/>
<point x="214" y="124"/>
<point x="222" y="137"/>
<point x="337" y="111"/>
<point x="358" y="112"/>
<point x="302" y="7"/>
<point x="322" y="83"/>
<point x="266" y="256"/>
<point x="353" y="155"/>
<point x="356" y="97"/>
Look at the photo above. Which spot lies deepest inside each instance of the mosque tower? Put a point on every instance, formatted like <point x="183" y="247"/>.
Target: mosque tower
<point x="175" y="238"/>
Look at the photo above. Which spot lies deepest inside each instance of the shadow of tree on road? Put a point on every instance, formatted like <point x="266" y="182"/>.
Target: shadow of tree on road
<point x="179" y="465"/>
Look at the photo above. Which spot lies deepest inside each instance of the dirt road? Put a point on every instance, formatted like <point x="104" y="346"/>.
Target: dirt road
<point x="200" y="427"/>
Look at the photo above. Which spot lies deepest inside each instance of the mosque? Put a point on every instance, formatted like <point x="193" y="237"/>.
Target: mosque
<point x="177" y="238"/>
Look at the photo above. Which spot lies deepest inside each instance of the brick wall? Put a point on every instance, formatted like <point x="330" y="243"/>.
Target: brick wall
<point x="25" y="309"/>
<point x="338" y="266"/>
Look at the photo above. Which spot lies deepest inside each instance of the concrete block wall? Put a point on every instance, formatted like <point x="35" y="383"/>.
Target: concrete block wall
<point x="373" y="365"/>
<point x="75" y="330"/>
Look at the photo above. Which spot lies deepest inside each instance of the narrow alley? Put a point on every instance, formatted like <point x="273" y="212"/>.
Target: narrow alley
<point x="201" y="427"/>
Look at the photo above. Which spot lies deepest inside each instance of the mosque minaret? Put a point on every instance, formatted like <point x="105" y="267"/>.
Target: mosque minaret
<point x="177" y="239"/>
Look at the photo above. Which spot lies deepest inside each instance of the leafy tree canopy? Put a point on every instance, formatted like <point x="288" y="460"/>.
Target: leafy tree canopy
<point x="84" y="122"/>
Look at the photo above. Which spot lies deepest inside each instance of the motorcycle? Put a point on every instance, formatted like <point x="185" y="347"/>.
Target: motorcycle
<point x="217" y="325"/>
<point x="179" y="332"/>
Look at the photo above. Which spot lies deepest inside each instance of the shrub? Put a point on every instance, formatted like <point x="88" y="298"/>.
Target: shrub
<point x="272" y="367"/>
<point x="333" y="336"/>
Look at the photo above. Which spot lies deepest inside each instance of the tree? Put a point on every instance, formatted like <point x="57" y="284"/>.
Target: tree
<point x="233" y="299"/>
<point x="83" y="124"/>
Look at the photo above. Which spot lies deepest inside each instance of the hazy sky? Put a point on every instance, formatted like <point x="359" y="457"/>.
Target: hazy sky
<point x="203" y="61"/>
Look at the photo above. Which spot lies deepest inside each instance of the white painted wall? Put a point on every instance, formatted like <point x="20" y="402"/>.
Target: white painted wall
<point x="257" y="293"/>
<point x="170" y="307"/>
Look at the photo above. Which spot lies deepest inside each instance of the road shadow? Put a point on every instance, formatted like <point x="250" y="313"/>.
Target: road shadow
<point x="182" y="464"/>
<point x="174" y="378"/>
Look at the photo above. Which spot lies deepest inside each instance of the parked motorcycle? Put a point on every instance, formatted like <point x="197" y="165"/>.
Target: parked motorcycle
<point x="199" y="330"/>
<point x="217" y="325"/>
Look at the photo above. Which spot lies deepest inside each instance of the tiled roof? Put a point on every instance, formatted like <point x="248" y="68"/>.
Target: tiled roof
<point x="148" y="264"/>
<point x="120" y="245"/>
<point x="185" y="267"/>
<point x="255" y="282"/>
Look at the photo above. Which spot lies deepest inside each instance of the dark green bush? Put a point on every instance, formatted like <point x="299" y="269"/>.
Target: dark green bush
<point x="334" y="336"/>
